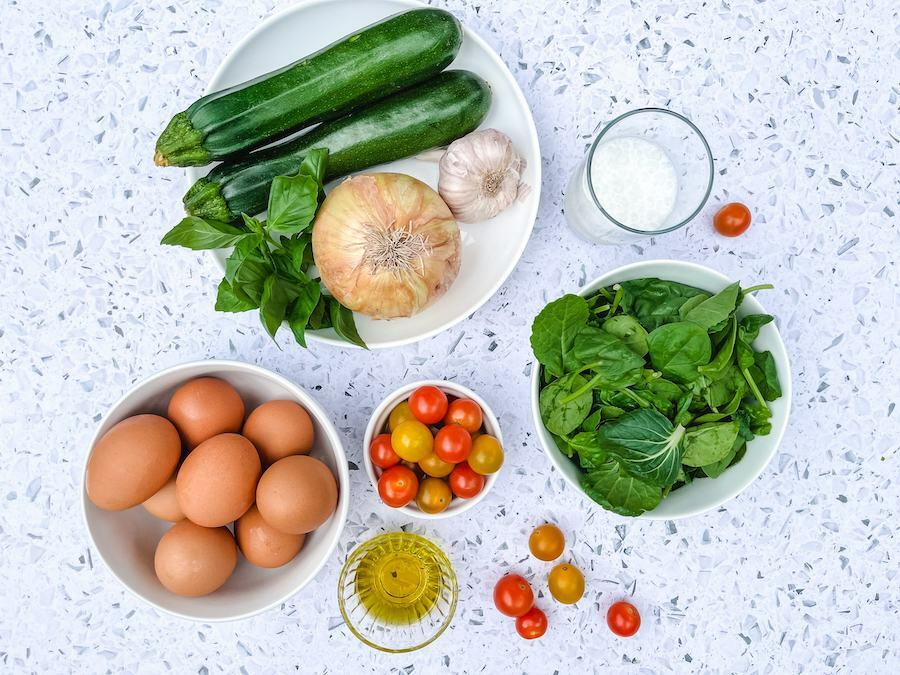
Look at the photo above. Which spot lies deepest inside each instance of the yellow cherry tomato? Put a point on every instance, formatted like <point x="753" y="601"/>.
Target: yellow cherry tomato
<point x="399" y="414"/>
<point x="434" y="495"/>
<point x="412" y="440"/>
<point x="486" y="456"/>
<point x="546" y="542"/>
<point x="433" y="465"/>
<point x="566" y="583"/>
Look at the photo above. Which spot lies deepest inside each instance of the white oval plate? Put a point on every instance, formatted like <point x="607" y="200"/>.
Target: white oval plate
<point x="490" y="249"/>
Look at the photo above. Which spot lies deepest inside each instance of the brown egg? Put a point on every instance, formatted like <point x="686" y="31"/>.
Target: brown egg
<point x="164" y="504"/>
<point x="217" y="482"/>
<point x="279" y="429"/>
<point x="132" y="461"/>
<point x="296" y="494"/>
<point x="262" y="544"/>
<point x="205" y="407"/>
<point x="193" y="560"/>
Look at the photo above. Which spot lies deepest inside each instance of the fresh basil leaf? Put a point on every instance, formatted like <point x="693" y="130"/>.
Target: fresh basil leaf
<point x="229" y="299"/>
<point x="565" y="403"/>
<point x="717" y="309"/>
<point x="296" y="248"/>
<point x="254" y="225"/>
<point x="655" y="302"/>
<point x="302" y="308"/>
<point x="709" y="443"/>
<point x="646" y="444"/>
<point x="678" y="349"/>
<point x="321" y="315"/>
<point x="277" y="294"/>
<point x="344" y="325"/>
<point x="314" y="164"/>
<point x="616" y="490"/>
<point x="293" y="201"/>
<point x="199" y="234"/>
<point x="629" y="330"/>
<point x="553" y="332"/>
<point x="612" y="362"/>
<point x="247" y="269"/>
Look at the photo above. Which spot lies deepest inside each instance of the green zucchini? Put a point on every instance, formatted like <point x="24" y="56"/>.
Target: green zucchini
<point x="388" y="56"/>
<point x="429" y="115"/>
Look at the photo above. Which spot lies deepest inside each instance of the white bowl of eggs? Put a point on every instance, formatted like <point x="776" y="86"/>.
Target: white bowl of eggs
<point x="215" y="490"/>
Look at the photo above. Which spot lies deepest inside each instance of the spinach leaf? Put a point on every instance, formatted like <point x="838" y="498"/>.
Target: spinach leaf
<point x="553" y="332"/>
<point x="629" y="330"/>
<point x="343" y="323"/>
<point x="646" y="444"/>
<point x="690" y="303"/>
<point x="717" y="309"/>
<point x="563" y="444"/>
<point x="769" y="385"/>
<point x="562" y="413"/>
<point x="654" y="301"/>
<point x="589" y="448"/>
<point x="750" y="325"/>
<point x="715" y="368"/>
<point x="709" y="443"/>
<point x="613" y="363"/>
<point x="592" y="421"/>
<point x="677" y="349"/>
<point x="199" y="234"/>
<point x="716" y="469"/>
<point x="618" y="491"/>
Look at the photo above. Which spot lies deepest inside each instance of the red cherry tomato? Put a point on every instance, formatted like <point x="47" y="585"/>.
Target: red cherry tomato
<point x="398" y="486"/>
<point x="513" y="595"/>
<point x="466" y="413"/>
<point x="532" y="624"/>
<point x="623" y="619"/>
<point x="732" y="220"/>
<point x="428" y="404"/>
<point x="453" y="444"/>
<point x="464" y="482"/>
<point x="381" y="452"/>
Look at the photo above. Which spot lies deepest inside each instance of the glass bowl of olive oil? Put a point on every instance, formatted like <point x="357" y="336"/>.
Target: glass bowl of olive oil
<point x="397" y="592"/>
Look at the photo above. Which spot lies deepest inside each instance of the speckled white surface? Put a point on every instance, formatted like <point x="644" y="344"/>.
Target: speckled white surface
<point x="799" y="101"/>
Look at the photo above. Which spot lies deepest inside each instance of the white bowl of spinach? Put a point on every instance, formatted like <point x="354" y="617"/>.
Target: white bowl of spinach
<point x="661" y="390"/>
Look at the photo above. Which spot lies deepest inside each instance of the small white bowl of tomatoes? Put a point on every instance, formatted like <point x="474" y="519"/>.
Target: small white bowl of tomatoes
<point x="433" y="449"/>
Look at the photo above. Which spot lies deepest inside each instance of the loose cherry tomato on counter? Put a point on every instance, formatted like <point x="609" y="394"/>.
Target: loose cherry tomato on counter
<point x="732" y="220"/>
<point x="412" y="440"/>
<point x="400" y="413"/>
<point x="486" y="456"/>
<point x="566" y="583"/>
<point x="546" y="542"/>
<point x="623" y="619"/>
<point x="397" y="486"/>
<point x="532" y="624"/>
<point x="513" y="595"/>
<point x="433" y="495"/>
<point x="428" y="404"/>
<point x="464" y="482"/>
<point x="452" y="444"/>
<point x="466" y="413"/>
<point x="381" y="452"/>
<point x="435" y="466"/>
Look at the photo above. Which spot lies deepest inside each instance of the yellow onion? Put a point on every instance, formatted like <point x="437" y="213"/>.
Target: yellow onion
<point x="386" y="245"/>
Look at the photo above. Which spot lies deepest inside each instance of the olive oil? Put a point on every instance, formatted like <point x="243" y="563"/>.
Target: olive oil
<point x="399" y="580"/>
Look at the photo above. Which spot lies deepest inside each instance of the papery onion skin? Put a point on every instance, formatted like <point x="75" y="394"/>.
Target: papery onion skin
<point x="386" y="245"/>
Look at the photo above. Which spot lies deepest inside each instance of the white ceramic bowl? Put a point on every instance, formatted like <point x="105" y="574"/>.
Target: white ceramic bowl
<point x="490" y="249"/>
<point x="701" y="494"/>
<point x="379" y="421"/>
<point x="126" y="540"/>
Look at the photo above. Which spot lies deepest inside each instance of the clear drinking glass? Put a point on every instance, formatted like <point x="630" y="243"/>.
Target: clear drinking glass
<point x="682" y="176"/>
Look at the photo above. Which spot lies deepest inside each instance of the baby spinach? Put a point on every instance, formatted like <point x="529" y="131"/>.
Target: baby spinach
<point x="647" y="385"/>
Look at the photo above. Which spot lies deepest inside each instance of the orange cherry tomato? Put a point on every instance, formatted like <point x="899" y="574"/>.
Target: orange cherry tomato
<point x="412" y="440"/>
<point x="400" y="413"/>
<point x="381" y="452"/>
<point x="434" y="495"/>
<point x="466" y="413"/>
<point x="513" y="595"/>
<point x="532" y="624"/>
<point x="732" y="220"/>
<point x="623" y="619"/>
<point x="546" y="542"/>
<point x="486" y="456"/>
<point x="566" y="583"/>
<point x="398" y="486"/>
<point x="435" y="466"/>
<point x="452" y="444"/>
<point x="428" y="404"/>
<point x="464" y="482"/>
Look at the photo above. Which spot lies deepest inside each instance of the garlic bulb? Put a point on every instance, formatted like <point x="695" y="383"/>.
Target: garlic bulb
<point x="386" y="245"/>
<point x="480" y="175"/>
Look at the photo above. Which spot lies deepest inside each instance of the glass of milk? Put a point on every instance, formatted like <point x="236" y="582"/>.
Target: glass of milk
<point x="649" y="171"/>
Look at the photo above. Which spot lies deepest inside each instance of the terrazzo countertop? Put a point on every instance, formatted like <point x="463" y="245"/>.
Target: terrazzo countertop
<point x="799" y="101"/>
